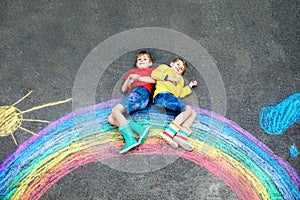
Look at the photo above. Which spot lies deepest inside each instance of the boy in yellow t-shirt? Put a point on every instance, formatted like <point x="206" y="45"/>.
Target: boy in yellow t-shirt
<point x="168" y="94"/>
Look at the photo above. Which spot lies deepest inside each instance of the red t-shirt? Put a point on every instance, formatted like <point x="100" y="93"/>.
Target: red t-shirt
<point x="141" y="72"/>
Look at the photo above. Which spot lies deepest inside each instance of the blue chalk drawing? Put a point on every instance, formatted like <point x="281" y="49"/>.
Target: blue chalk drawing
<point x="293" y="150"/>
<point x="276" y="119"/>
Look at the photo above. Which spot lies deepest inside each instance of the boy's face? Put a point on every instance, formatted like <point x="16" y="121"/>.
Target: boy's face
<point x="177" y="66"/>
<point x="143" y="61"/>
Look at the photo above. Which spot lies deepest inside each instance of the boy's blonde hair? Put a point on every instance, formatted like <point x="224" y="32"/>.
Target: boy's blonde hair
<point x="145" y="53"/>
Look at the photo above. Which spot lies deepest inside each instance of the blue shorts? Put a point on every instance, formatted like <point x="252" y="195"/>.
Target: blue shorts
<point x="136" y="99"/>
<point x="169" y="101"/>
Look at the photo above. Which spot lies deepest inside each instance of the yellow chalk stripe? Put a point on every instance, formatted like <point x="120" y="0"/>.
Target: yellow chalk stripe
<point x="45" y="165"/>
<point x="101" y="139"/>
<point x="155" y="133"/>
<point x="46" y="105"/>
<point x="217" y="154"/>
<point x="22" y="98"/>
<point x="24" y="129"/>
<point x="12" y="135"/>
<point x="57" y="157"/>
<point x="36" y="120"/>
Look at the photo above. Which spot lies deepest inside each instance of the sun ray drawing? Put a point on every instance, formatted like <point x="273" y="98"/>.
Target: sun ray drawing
<point x="11" y="117"/>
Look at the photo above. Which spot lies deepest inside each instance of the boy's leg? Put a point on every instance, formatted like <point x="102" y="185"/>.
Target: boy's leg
<point x="169" y="133"/>
<point x="169" y="101"/>
<point x="181" y="138"/>
<point x="112" y="121"/>
<point x="183" y="116"/>
<point x="185" y="131"/>
<point x="130" y="141"/>
<point x="140" y="130"/>
<point x="190" y="120"/>
<point x="116" y="117"/>
<point x="138" y="99"/>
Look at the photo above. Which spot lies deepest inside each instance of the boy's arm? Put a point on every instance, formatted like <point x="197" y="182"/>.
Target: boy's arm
<point x="146" y="79"/>
<point x="131" y="78"/>
<point x="187" y="90"/>
<point x="160" y="73"/>
<point x="125" y="85"/>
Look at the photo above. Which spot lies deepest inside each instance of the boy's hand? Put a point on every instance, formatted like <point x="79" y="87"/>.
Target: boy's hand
<point x="130" y="81"/>
<point x="193" y="83"/>
<point x="133" y="76"/>
<point x="174" y="79"/>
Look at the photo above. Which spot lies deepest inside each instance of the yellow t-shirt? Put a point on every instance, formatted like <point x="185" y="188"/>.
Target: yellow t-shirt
<point x="159" y="75"/>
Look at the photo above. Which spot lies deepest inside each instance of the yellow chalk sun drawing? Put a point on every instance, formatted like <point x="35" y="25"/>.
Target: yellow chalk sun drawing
<point x="11" y="118"/>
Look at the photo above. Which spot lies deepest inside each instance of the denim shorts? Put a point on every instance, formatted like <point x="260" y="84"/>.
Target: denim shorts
<point x="169" y="101"/>
<point x="136" y="99"/>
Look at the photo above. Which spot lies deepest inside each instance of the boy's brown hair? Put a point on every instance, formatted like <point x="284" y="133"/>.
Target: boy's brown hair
<point x="145" y="53"/>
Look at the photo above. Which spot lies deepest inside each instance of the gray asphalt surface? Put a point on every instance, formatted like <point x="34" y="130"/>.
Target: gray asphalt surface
<point x="254" y="45"/>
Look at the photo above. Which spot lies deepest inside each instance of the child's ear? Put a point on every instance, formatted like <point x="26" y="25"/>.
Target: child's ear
<point x="171" y="63"/>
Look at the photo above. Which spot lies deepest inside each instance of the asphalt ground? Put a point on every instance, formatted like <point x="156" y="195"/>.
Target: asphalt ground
<point x="253" y="44"/>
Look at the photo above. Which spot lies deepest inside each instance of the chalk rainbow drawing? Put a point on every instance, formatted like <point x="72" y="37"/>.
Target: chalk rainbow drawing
<point x="245" y="164"/>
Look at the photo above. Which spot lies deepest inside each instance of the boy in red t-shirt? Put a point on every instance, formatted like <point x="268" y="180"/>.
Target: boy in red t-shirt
<point x="138" y="83"/>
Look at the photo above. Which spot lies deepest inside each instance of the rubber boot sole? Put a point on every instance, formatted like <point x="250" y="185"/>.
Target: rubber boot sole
<point x="184" y="144"/>
<point x="169" y="140"/>
<point x="144" y="135"/>
<point x="125" y="150"/>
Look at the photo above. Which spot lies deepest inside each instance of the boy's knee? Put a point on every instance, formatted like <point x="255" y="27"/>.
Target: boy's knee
<point x="114" y="110"/>
<point x="188" y="108"/>
<point x="110" y="119"/>
<point x="194" y="113"/>
<point x="191" y="111"/>
<point x="118" y="109"/>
